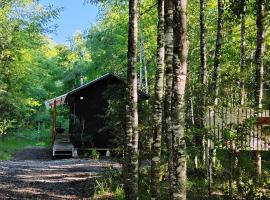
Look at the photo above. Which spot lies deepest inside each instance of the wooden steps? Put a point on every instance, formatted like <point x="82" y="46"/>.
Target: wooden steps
<point x="63" y="147"/>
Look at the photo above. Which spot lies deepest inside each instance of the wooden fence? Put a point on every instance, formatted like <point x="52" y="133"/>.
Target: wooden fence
<point x="238" y="128"/>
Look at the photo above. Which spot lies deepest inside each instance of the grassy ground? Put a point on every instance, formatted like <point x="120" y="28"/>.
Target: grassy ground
<point x="14" y="142"/>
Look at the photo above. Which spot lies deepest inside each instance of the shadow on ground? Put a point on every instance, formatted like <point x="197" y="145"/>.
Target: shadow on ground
<point x="43" y="178"/>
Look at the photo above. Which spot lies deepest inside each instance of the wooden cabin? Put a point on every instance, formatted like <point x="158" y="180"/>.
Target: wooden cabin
<point x="87" y="106"/>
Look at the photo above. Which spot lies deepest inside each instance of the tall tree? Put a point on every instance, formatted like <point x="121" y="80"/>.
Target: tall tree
<point x="131" y="154"/>
<point x="259" y="55"/>
<point x="22" y="44"/>
<point x="157" y="132"/>
<point x="203" y="69"/>
<point x="203" y="83"/>
<point x="216" y="72"/>
<point x="178" y="101"/>
<point x="168" y="16"/>
<point x="243" y="52"/>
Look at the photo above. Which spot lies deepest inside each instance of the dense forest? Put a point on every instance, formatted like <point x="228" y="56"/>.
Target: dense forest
<point x="191" y="57"/>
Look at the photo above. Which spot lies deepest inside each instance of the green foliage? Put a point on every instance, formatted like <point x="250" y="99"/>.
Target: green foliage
<point x="23" y="46"/>
<point x="110" y="185"/>
<point x="115" y="113"/>
<point x="115" y="118"/>
<point x="42" y="138"/>
<point x="11" y="144"/>
<point x="251" y="188"/>
<point x="5" y="125"/>
<point x="94" y="154"/>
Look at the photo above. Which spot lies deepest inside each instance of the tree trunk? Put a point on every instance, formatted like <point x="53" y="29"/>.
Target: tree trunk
<point x="189" y="94"/>
<point x="156" y="145"/>
<point x="243" y="54"/>
<point x="258" y="159"/>
<point x="146" y="78"/>
<point x="259" y="55"/>
<point x="203" y="70"/>
<point x="216" y="79"/>
<point x="178" y="101"/>
<point x="237" y="167"/>
<point x="168" y="16"/>
<point x="141" y="60"/>
<point x="199" y="139"/>
<point x="216" y="72"/>
<point x="131" y="154"/>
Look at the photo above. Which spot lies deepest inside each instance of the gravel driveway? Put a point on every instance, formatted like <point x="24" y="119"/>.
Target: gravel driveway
<point x="42" y="178"/>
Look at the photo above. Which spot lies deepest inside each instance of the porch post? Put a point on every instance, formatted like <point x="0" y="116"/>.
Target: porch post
<point x="54" y="121"/>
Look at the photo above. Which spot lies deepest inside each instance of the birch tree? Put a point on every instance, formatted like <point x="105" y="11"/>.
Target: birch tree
<point x="203" y="83"/>
<point x="243" y="52"/>
<point x="260" y="49"/>
<point x="203" y="69"/>
<point x="157" y="132"/>
<point x="168" y="16"/>
<point x="259" y="55"/>
<point x="216" y="72"/>
<point x="178" y="109"/>
<point x="131" y="153"/>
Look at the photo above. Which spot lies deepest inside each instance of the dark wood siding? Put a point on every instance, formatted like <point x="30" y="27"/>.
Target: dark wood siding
<point x="87" y="109"/>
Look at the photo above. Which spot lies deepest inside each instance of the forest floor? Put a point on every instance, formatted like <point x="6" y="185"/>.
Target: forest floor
<point x="31" y="174"/>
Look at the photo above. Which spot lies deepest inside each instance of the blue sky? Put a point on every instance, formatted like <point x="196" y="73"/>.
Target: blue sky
<point x="75" y="17"/>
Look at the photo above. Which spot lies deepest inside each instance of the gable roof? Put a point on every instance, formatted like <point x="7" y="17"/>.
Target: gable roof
<point x="62" y="99"/>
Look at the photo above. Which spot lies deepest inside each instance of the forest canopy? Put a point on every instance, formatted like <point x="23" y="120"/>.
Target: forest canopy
<point x="28" y="54"/>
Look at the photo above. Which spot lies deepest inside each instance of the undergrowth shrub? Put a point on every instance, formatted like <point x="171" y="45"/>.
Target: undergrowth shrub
<point x="109" y="184"/>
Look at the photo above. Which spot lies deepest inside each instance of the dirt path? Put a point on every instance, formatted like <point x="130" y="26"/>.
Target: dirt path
<point x="42" y="178"/>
